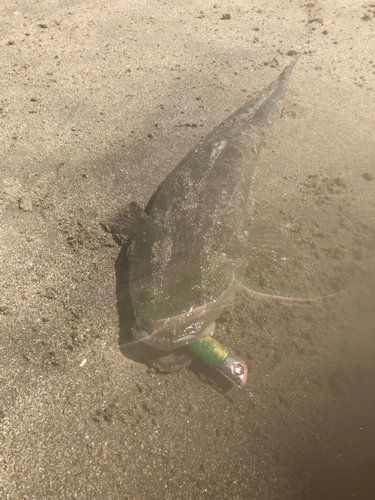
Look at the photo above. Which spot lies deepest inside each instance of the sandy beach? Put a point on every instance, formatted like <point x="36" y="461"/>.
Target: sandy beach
<point x="99" y="102"/>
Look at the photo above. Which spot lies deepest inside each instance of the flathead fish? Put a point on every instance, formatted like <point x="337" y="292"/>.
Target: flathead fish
<point x="187" y="251"/>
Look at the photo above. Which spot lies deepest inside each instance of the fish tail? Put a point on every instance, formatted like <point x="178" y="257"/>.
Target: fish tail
<point x="270" y="99"/>
<point x="264" y="108"/>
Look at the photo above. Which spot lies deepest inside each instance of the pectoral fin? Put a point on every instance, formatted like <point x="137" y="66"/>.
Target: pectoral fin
<point x="275" y="266"/>
<point x="126" y="223"/>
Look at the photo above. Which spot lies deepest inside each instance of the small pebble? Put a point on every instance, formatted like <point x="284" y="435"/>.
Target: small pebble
<point x="25" y="204"/>
<point x="367" y="176"/>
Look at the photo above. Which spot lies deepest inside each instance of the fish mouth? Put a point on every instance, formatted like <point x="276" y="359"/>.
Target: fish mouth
<point x="176" y="331"/>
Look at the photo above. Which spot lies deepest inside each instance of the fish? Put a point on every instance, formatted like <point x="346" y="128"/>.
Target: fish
<point x="189" y="248"/>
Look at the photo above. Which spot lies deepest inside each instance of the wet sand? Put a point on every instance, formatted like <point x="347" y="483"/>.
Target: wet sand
<point x="100" y="100"/>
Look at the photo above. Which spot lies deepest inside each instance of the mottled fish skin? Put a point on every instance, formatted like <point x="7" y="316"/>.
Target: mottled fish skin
<point x="189" y="245"/>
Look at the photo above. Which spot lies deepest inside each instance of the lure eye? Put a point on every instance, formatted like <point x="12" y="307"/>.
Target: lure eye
<point x="235" y="370"/>
<point x="238" y="370"/>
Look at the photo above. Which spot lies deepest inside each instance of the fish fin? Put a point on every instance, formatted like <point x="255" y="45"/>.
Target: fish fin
<point x="277" y="267"/>
<point x="263" y="108"/>
<point x="267" y="240"/>
<point x="127" y="222"/>
<point x="268" y="103"/>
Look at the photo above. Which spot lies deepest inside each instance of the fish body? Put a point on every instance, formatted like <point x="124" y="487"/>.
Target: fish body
<point x="187" y="249"/>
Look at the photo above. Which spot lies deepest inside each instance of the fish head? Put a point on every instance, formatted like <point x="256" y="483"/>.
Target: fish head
<point x="175" y="315"/>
